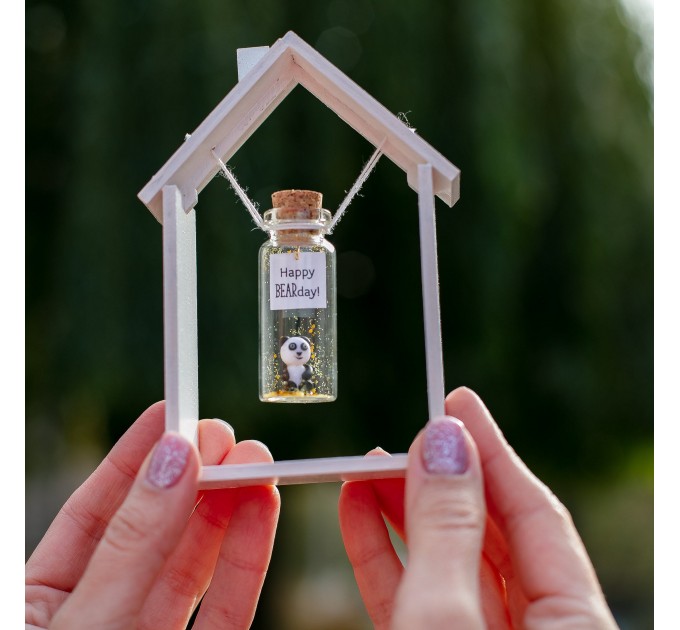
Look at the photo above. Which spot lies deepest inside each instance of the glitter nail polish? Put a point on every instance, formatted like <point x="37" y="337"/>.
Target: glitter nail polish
<point x="444" y="449"/>
<point x="168" y="461"/>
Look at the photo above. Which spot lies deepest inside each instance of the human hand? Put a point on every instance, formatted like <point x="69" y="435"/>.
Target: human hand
<point x="519" y="565"/>
<point x="137" y="546"/>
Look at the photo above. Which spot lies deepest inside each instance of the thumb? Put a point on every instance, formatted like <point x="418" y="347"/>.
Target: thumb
<point x="445" y="520"/>
<point x="138" y="540"/>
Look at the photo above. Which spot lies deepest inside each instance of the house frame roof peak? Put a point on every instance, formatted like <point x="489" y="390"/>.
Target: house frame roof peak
<point x="288" y="62"/>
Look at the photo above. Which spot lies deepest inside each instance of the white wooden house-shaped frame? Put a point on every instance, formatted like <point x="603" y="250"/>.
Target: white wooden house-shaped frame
<point x="266" y="76"/>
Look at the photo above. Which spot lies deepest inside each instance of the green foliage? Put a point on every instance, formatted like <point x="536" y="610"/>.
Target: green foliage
<point x="545" y="263"/>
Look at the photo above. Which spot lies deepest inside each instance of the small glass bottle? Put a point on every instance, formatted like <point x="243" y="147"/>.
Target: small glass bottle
<point x="297" y="302"/>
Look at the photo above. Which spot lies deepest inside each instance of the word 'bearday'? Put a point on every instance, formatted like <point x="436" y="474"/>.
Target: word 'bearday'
<point x="292" y="290"/>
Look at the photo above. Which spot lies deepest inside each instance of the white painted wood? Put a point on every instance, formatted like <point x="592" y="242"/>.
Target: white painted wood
<point x="372" y="120"/>
<point x="289" y="61"/>
<point x="303" y="471"/>
<point x="179" y="314"/>
<point x="246" y="58"/>
<point x="172" y="194"/>
<point x="430" y="281"/>
<point x="225" y="130"/>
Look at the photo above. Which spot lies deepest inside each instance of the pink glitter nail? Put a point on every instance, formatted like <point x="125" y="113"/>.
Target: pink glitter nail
<point x="168" y="461"/>
<point x="444" y="449"/>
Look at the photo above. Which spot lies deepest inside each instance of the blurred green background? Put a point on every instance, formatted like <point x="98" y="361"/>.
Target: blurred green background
<point x="546" y="261"/>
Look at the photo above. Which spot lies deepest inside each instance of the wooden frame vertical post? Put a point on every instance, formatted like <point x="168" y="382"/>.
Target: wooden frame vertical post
<point x="180" y="315"/>
<point x="430" y="280"/>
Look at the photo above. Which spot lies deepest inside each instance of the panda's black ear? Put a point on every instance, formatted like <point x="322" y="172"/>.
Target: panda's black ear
<point x="307" y="340"/>
<point x="283" y="340"/>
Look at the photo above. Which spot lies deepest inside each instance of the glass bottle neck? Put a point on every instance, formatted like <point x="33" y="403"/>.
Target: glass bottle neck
<point x="296" y="237"/>
<point x="299" y="226"/>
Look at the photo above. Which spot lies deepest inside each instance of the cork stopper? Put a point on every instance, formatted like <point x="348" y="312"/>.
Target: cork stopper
<point x="297" y="204"/>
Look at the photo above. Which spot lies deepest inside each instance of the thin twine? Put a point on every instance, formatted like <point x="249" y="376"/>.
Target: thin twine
<point x="339" y="213"/>
<point x="356" y="187"/>
<point x="250" y="206"/>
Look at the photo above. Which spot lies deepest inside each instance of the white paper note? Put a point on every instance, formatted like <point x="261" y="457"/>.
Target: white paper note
<point x="297" y="281"/>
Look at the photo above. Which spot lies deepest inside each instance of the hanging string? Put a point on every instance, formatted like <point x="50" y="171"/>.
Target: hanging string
<point x="363" y="176"/>
<point x="353" y="191"/>
<point x="250" y="206"/>
<point x="356" y="187"/>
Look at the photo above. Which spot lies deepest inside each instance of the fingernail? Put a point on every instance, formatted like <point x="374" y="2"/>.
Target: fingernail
<point x="263" y="445"/>
<point x="168" y="461"/>
<point x="226" y="424"/>
<point x="444" y="449"/>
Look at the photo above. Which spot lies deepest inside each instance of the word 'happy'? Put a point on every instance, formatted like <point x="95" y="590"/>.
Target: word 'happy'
<point x="297" y="274"/>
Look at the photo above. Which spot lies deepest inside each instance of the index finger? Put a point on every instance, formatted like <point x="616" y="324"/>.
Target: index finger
<point x="376" y="565"/>
<point x="61" y="557"/>
<point x="544" y="545"/>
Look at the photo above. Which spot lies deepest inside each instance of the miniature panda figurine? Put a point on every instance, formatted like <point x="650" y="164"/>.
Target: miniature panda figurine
<point x="295" y="352"/>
